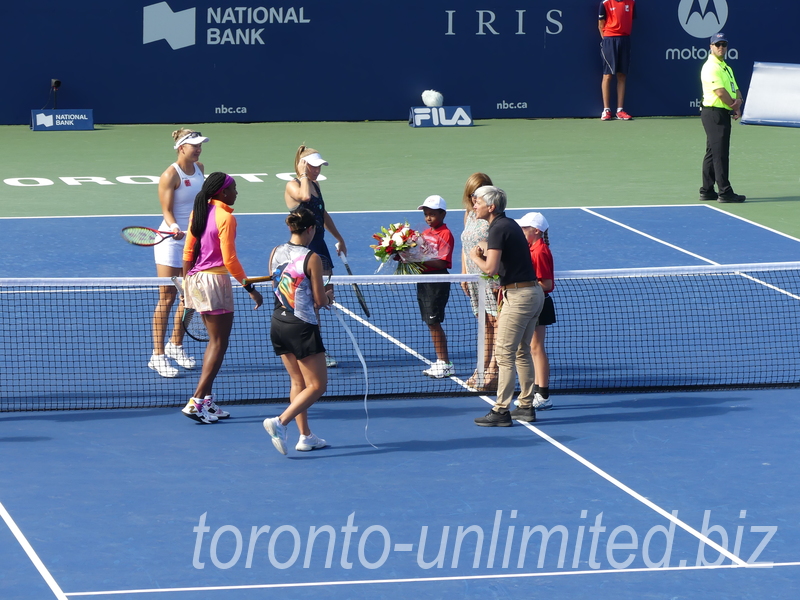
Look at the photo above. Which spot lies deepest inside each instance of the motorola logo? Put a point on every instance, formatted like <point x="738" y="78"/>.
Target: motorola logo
<point x="703" y="18"/>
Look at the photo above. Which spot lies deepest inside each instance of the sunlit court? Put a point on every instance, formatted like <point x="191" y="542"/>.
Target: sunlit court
<point x="400" y="300"/>
<point x="666" y="466"/>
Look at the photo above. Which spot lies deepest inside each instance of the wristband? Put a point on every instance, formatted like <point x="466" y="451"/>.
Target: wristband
<point x="249" y="288"/>
<point x="175" y="227"/>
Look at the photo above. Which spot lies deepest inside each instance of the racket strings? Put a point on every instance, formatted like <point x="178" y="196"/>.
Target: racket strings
<point x="143" y="236"/>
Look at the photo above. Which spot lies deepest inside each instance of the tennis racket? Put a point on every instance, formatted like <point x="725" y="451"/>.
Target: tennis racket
<point x="192" y="323"/>
<point x="359" y="295"/>
<point x="144" y="236"/>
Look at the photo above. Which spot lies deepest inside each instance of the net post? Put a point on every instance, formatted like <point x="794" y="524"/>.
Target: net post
<point x="481" y="349"/>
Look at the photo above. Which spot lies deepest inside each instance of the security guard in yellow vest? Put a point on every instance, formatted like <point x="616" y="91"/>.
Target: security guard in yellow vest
<point x="722" y="99"/>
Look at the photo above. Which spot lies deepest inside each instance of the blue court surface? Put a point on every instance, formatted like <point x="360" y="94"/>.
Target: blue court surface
<point x="657" y="495"/>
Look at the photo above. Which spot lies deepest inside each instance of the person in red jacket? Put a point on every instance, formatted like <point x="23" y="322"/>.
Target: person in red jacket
<point x="433" y="297"/>
<point x="615" y="22"/>
<point x="535" y="228"/>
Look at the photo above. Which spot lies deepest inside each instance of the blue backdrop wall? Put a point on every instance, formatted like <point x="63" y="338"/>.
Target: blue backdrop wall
<point x="140" y="61"/>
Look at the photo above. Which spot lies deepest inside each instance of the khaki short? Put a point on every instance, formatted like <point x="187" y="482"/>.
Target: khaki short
<point x="208" y="293"/>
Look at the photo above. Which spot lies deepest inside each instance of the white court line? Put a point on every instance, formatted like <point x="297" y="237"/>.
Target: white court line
<point x="697" y="256"/>
<point x="366" y="212"/>
<point x="649" y="237"/>
<point x="394" y="340"/>
<point x="637" y="496"/>
<point x="312" y="584"/>
<point x="750" y="222"/>
<point x="37" y="562"/>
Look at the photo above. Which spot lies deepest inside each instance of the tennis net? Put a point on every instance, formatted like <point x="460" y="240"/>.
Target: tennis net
<point x="85" y="343"/>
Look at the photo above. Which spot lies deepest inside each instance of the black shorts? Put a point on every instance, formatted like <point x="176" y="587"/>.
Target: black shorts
<point x="616" y="53"/>
<point x="432" y="299"/>
<point x="291" y="335"/>
<point x="548" y="314"/>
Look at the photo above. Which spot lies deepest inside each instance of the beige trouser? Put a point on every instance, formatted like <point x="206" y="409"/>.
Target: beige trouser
<point x="515" y="326"/>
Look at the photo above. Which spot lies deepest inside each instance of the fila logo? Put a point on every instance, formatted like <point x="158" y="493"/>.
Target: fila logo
<point x="703" y="18"/>
<point x="437" y="117"/>
<point x="161" y="23"/>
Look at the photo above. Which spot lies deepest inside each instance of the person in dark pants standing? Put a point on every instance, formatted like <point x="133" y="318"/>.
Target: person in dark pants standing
<point x="722" y="100"/>
<point x="519" y="310"/>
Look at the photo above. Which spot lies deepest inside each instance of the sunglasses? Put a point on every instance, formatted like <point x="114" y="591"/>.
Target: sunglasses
<point x="188" y="136"/>
<point x="721" y="44"/>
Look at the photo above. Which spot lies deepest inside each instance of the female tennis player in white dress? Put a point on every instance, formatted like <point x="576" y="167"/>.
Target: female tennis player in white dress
<point x="177" y="188"/>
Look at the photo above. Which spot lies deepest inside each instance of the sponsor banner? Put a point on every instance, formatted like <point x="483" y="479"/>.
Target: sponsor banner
<point x="197" y="61"/>
<point x="440" y="116"/>
<point x="69" y="119"/>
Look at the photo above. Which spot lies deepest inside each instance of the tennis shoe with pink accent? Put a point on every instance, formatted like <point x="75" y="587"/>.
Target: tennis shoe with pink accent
<point x="197" y="410"/>
<point x="606" y="115"/>
<point x="214" y="409"/>
<point x="160" y="364"/>
<point x="277" y="431"/>
<point x="310" y="442"/>
<point x="178" y="354"/>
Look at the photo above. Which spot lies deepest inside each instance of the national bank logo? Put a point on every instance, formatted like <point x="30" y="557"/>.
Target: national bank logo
<point x="703" y="18"/>
<point x="161" y="23"/>
<point x="43" y="119"/>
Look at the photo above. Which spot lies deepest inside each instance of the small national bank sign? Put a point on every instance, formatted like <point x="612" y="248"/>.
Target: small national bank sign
<point x="440" y="116"/>
<point x="68" y="119"/>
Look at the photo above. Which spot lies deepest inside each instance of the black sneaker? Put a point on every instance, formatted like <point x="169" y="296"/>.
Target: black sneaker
<point x="732" y="198"/>
<point x="495" y="419"/>
<point x="708" y="197"/>
<point x="524" y="414"/>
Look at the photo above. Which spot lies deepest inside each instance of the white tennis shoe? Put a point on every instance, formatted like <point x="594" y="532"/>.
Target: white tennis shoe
<point x="310" y="442"/>
<point x="277" y="432"/>
<point x="214" y="409"/>
<point x="440" y="370"/>
<point x="160" y="364"/>
<point x="178" y="354"/>
<point x="197" y="410"/>
<point x="541" y="403"/>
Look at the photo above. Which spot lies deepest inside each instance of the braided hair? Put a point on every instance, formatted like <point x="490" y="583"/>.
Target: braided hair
<point x="200" y="211"/>
<point x="546" y="237"/>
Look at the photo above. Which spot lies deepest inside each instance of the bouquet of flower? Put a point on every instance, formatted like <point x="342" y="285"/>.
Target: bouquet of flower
<point x="404" y="245"/>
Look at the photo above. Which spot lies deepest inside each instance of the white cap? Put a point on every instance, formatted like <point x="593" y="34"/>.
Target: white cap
<point x="434" y="202"/>
<point x="315" y="160"/>
<point x="194" y="138"/>
<point x="535" y="220"/>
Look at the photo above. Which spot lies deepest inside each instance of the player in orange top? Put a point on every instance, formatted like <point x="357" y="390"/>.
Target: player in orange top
<point x="209" y="261"/>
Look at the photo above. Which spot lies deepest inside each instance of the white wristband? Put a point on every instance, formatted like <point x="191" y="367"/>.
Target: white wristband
<point x="175" y="227"/>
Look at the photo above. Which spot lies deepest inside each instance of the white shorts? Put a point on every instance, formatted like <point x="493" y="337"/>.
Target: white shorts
<point x="169" y="252"/>
<point x="208" y="293"/>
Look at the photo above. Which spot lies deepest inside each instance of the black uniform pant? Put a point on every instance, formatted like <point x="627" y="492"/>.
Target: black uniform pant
<point x="717" y="123"/>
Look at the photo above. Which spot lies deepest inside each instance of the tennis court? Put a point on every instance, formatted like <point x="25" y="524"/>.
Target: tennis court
<point x="661" y="495"/>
